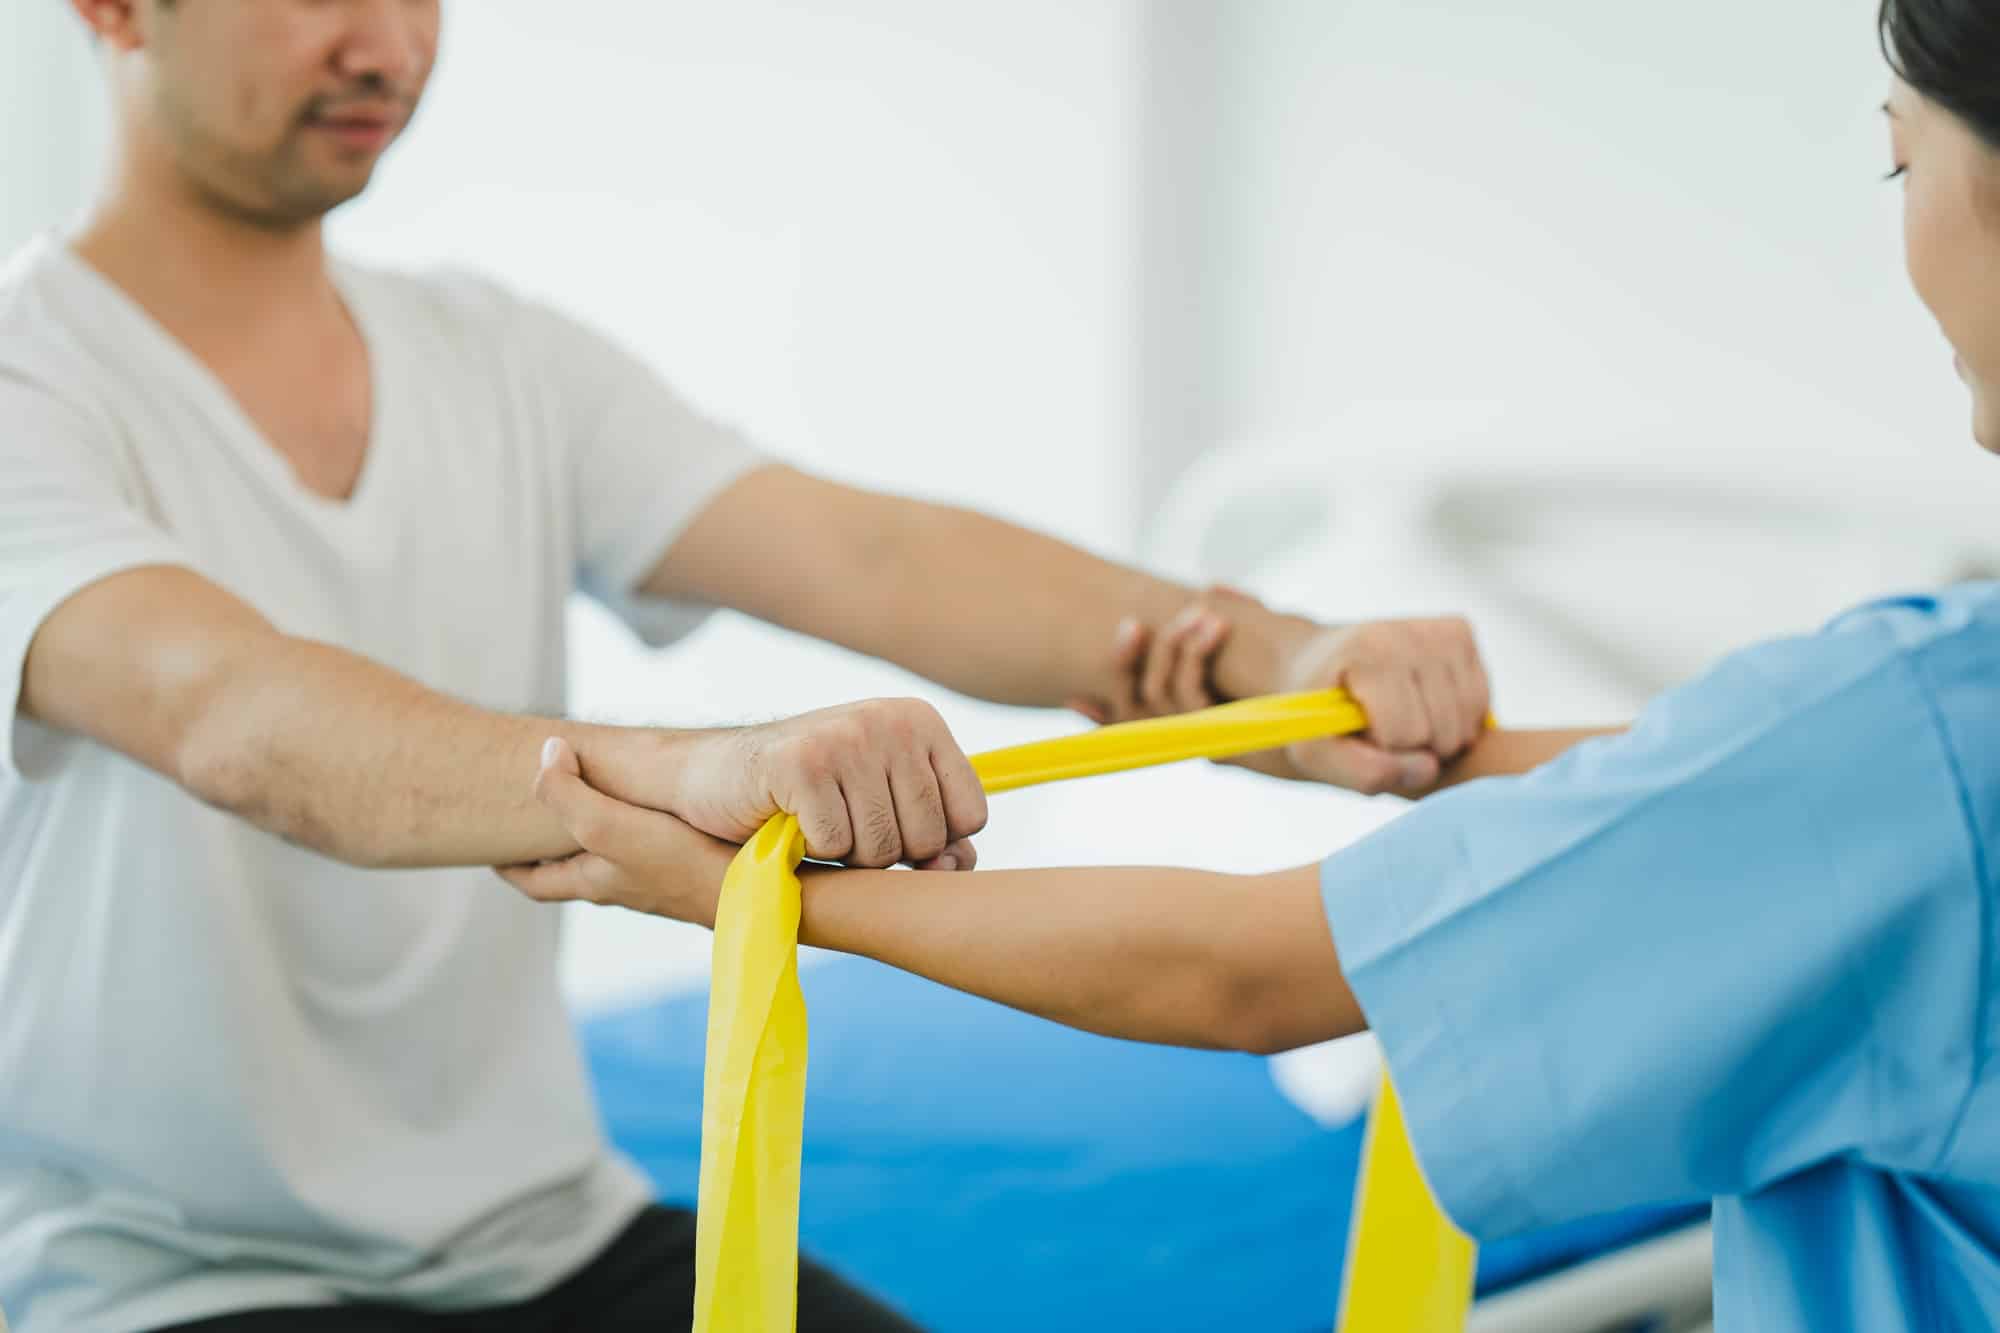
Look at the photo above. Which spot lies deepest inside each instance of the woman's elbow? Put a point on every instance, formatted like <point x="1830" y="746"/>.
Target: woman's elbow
<point x="1263" y="1033"/>
<point x="1269" y="1016"/>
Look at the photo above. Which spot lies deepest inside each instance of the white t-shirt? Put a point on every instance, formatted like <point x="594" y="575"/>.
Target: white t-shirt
<point x="234" y="1073"/>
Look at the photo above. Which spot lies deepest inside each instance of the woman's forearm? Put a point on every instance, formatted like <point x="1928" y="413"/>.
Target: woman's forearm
<point x="1181" y="957"/>
<point x="1510" y="753"/>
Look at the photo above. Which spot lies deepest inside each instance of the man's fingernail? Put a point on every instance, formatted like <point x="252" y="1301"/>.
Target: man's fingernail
<point x="549" y="751"/>
<point x="947" y="862"/>
<point x="1128" y="629"/>
<point x="1416" y="770"/>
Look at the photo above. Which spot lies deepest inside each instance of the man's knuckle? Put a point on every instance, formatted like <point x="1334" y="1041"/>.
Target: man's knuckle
<point x="880" y="719"/>
<point x="881" y="841"/>
<point x="975" y="816"/>
<point x="829" y="833"/>
<point x="880" y="826"/>
<point x="1363" y="673"/>
<point x="801" y="757"/>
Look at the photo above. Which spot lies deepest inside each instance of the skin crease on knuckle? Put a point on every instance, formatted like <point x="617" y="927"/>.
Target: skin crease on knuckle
<point x="933" y="837"/>
<point x="881" y="838"/>
<point x="827" y="833"/>
<point x="929" y="799"/>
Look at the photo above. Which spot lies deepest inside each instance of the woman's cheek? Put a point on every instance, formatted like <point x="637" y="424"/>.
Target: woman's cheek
<point x="1922" y="249"/>
<point x="1948" y="253"/>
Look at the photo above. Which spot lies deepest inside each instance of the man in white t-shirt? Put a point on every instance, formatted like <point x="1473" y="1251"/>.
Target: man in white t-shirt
<point x="284" y="551"/>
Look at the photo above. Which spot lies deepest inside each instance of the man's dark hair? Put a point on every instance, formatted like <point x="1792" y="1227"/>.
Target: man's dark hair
<point x="1949" y="50"/>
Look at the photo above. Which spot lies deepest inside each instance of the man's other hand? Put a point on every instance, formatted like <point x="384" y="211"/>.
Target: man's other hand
<point x="1421" y="682"/>
<point x="872" y="784"/>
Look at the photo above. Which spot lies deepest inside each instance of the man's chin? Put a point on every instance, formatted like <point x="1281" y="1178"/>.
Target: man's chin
<point x="314" y="184"/>
<point x="310" y="203"/>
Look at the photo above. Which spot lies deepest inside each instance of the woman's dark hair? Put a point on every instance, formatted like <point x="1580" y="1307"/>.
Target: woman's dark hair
<point x="1949" y="50"/>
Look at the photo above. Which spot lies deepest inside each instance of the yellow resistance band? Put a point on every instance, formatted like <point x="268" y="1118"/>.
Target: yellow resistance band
<point x="1409" y="1270"/>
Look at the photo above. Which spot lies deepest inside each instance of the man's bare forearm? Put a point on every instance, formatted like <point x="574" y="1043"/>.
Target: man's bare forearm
<point x="973" y="602"/>
<point x="1181" y="957"/>
<point x="309" y="741"/>
<point x="1068" y="601"/>
<point x="339" y="754"/>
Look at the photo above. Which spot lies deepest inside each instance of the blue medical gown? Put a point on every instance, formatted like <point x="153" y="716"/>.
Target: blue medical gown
<point x="1748" y="950"/>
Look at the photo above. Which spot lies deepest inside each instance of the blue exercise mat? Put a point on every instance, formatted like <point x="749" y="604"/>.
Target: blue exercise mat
<point x="985" y="1170"/>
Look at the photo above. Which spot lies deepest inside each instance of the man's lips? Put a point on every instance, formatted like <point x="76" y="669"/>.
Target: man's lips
<point x="356" y="128"/>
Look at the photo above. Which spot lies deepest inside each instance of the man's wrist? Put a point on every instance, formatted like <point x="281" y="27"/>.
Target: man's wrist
<point x="643" y="766"/>
<point x="1263" y="644"/>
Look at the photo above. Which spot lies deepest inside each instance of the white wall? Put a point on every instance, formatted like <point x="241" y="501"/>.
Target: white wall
<point x="1588" y="211"/>
<point x="888" y="236"/>
<point x="52" y="119"/>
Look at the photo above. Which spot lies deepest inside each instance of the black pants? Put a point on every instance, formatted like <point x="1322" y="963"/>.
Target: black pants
<point x="644" y="1283"/>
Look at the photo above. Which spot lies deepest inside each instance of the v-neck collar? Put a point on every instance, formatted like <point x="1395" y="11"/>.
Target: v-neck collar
<point x="177" y="360"/>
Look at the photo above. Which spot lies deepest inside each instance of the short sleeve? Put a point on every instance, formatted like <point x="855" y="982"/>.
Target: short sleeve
<point x="1740" y="940"/>
<point x="66" y="521"/>
<point x="644" y="464"/>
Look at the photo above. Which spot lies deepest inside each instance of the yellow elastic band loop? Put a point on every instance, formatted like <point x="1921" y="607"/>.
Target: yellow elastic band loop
<point x="1408" y="1267"/>
<point x="753" y="1085"/>
<point x="1213" y="733"/>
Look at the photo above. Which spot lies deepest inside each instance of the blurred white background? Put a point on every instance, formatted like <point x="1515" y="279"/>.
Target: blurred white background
<point x="1586" y="318"/>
